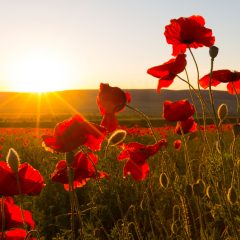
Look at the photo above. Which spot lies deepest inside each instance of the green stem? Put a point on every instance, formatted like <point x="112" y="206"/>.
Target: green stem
<point x="186" y="155"/>
<point x="69" y="160"/>
<point x="30" y="233"/>
<point x="203" y="102"/>
<point x="232" y="147"/>
<point x="144" y="117"/>
<point x="200" y="97"/>
<point x="79" y="215"/>
<point x="190" y="91"/>
<point x="195" y="62"/>
<point x="93" y="164"/>
<point x="238" y="102"/>
<point x="106" y="151"/>
<point x="211" y="95"/>
<point x="21" y="201"/>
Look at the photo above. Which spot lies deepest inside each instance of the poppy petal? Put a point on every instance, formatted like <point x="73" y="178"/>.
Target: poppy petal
<point x="187" y="126"/>
<point x="177" y="111"/>
<point x="110" y="122"/>
<point x="74" y="132"/>
<point x="31" y="181"/>
<point x="163" y="84"/>
<point x="234" y="87"/>
<point x="138" y="171"/>
<point x="187" y="32"/>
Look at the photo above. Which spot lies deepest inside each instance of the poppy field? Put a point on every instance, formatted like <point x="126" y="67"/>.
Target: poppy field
<point x="85" y="180"/>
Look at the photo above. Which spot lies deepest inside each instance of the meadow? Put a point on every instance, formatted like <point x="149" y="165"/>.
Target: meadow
<point x="115" y="178"/>
<point x="166" y="205"/>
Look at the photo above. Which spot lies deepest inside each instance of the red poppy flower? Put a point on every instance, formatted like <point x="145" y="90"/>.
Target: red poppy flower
<point x="73" y="132"/>
<point x="177" y="111"/>
<point x="137" y="154"/>
<point x="177" y="144"/>
<point x="187" y="126"/>
<point x="111" y="100"/>
<point x="187" y="32"/>
<point x="13" y="217"/>
<point x="168" y="71"/>
<point x="222" y="76"/>
<point x="83" y="170"/>
<point x="15" y="234"/>
<point x="30" y="179"/>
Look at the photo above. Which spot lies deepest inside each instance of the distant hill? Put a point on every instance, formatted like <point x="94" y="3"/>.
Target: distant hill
<point x="65" y="103"/>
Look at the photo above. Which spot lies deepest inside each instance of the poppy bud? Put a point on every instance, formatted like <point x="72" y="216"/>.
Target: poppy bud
<point x="175" y="228"/>
<point x="232" y="195"/>
<point x="238" y="163"/>
<point x="117" y="137"/>
<point x="222" y="111"/>
<point x="209" y="192"/>
<point x="213" y="51"/>
<point x="163" y="180"/>
<point x="177" y="144"/>
<point x="236" y="130"/>
<point x="13" y="160"/>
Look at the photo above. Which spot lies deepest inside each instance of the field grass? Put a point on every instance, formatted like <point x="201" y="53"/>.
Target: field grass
<point x="191" y="193"/>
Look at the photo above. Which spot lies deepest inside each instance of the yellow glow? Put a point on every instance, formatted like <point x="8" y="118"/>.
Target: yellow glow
<point x="38" y="72"/>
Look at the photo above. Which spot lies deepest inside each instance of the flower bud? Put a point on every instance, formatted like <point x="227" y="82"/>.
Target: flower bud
<point x="163" y="180"/>
<point x="222" y="111"/>
<point x="213" y="51"/>
<point x="209" y="192"/>
<point x="232" y="195"/>
<point x="175" y="228"/>
<point x="238" y="163"/>
<point x="117" y="137"/>
<point x="13" y="160"/>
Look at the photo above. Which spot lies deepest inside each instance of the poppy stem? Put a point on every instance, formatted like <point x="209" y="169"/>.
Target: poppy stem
<point x="30" y="233"/>
<point x="211" y="95"/>
<point x="21" y="201"/>
<point x="202" y="100"/>
<point x="79" y="215"/>
<point x="144" y="117"/>
<point x="106" y="151"/>
<point x="94" y="165"/>
<point x="219" y="136"/>
<point x="197" y="68"/>
<point x="3" y="217"/>
<point x="69" y="160"/>
<point x="238" y="102"/>
<point x="186" y="155"/>
<point x="190" y="91"/>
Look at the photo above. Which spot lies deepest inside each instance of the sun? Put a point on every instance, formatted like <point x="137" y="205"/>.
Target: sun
<point x="39" y="72"/>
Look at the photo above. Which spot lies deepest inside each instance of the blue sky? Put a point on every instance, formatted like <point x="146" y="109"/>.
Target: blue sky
<point x="86" y="42"/>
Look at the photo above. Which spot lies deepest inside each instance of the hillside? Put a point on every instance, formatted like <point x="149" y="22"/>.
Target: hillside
<point x="50" y="105"/>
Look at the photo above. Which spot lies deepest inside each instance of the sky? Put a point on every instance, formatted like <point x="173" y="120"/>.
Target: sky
<point x="77" y="44"/>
